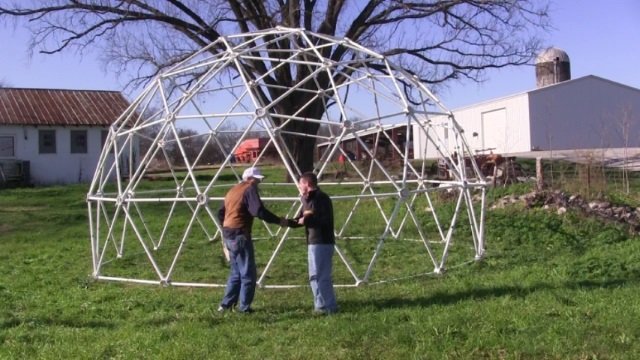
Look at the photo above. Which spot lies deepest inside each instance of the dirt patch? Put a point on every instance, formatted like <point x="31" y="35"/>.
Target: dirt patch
<point x="5" y="228"/>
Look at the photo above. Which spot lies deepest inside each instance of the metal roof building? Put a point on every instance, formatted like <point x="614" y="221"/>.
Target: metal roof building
<point x="53" y="136"/>
<point x="584" y="113"/>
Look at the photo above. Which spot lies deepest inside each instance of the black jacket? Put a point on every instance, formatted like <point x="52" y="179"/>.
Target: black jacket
<point x="317" y="210"/>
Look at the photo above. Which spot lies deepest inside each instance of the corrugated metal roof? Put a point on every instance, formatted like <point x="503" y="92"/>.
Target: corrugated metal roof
<point x="60" y="107"/>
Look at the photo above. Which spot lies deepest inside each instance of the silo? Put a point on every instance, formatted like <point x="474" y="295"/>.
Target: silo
<point x="552" y="66"/>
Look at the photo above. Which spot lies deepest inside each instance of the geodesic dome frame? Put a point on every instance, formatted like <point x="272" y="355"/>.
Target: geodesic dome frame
<point x="218" y="97"/>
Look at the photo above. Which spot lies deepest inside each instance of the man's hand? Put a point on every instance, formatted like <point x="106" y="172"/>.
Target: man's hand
<point x="293" y="223"/>
<point x="288" y="223"/>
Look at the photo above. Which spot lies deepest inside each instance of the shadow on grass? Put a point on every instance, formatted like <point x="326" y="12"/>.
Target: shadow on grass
<point x="69" y="323"/>
<point x="263" y="315"/>
<point x="349" y="307"/>
<point x="449" y="298"/>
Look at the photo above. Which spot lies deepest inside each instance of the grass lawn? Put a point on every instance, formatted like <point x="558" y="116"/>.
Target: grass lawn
<point x="551" y="287"/>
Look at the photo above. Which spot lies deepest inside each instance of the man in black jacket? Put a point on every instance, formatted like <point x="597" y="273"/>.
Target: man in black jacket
<point x="317" y="217"/>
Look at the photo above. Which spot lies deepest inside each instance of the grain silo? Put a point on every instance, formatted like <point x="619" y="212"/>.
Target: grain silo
<point x="552" y="66"/>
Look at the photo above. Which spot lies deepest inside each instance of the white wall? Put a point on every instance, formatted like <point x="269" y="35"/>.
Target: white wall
<point x="63" y="167"/>
<point x="422" y="149"/>
<point x="584" y="113"/>
<point x="500" y="125"/>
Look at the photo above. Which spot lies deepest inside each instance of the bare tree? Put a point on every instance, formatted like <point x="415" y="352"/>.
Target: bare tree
<point x="436" y="40"/>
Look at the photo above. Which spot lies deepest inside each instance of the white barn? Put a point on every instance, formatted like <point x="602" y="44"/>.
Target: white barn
<point x="584" y="113"/>
<point x="50" y="136"/>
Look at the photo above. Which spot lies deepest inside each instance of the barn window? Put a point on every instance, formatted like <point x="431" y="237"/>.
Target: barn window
<point x="7" y="148"/>
<point x="47" y="141"/>
<point x="78" y="141"/>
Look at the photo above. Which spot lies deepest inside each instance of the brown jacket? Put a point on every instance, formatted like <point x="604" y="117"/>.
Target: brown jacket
<point x="241" y="204"/>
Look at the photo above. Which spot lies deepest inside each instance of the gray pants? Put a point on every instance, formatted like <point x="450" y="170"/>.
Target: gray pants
<point x="320" y="259"/>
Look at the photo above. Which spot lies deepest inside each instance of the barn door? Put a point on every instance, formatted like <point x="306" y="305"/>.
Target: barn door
<point x="494" y="131"/>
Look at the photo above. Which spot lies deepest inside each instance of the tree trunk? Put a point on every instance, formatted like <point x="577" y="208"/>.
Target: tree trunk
<point x="302" y="147"/>
<point x="304" y="153"/>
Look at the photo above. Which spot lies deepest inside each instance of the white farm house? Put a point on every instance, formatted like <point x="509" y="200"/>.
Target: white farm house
<point x="52" y="136"/>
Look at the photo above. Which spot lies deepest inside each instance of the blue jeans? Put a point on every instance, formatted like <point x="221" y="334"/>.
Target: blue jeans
<point x="320" y="258"/>
<point x="241" y="284"/>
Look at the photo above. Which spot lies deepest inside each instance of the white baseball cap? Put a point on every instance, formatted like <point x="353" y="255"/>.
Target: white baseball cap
<point x="252" y="172"/>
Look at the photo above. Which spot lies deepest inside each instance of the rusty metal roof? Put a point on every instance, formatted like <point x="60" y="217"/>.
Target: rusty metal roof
<point x="60" y="107"/>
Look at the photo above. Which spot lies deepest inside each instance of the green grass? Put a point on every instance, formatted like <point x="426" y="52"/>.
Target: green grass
<point x="551" y="287"/>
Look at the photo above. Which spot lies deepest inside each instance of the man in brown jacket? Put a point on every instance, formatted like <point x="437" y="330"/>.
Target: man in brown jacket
<point x="241" y="204"/>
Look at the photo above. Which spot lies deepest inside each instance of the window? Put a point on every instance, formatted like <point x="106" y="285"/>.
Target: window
<point x="78" y="141"/>
<point x="47" y="141"/>
<point x="103" y="138"/>
<point x="7" y="148"/>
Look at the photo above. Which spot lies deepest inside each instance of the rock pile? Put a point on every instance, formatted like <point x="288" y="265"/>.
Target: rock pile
<point x="561" y="202"/>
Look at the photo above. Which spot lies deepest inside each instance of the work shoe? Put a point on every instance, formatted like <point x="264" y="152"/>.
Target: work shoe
<point x="323" y="312"/>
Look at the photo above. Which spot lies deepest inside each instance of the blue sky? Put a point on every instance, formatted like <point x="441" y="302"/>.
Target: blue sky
<point x="600" y="37"/>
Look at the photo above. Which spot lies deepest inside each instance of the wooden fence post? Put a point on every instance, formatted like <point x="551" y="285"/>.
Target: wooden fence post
<point x="539" y="174"/>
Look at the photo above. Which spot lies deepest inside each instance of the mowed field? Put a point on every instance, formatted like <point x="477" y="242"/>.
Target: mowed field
<point x="550" y="287"/>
